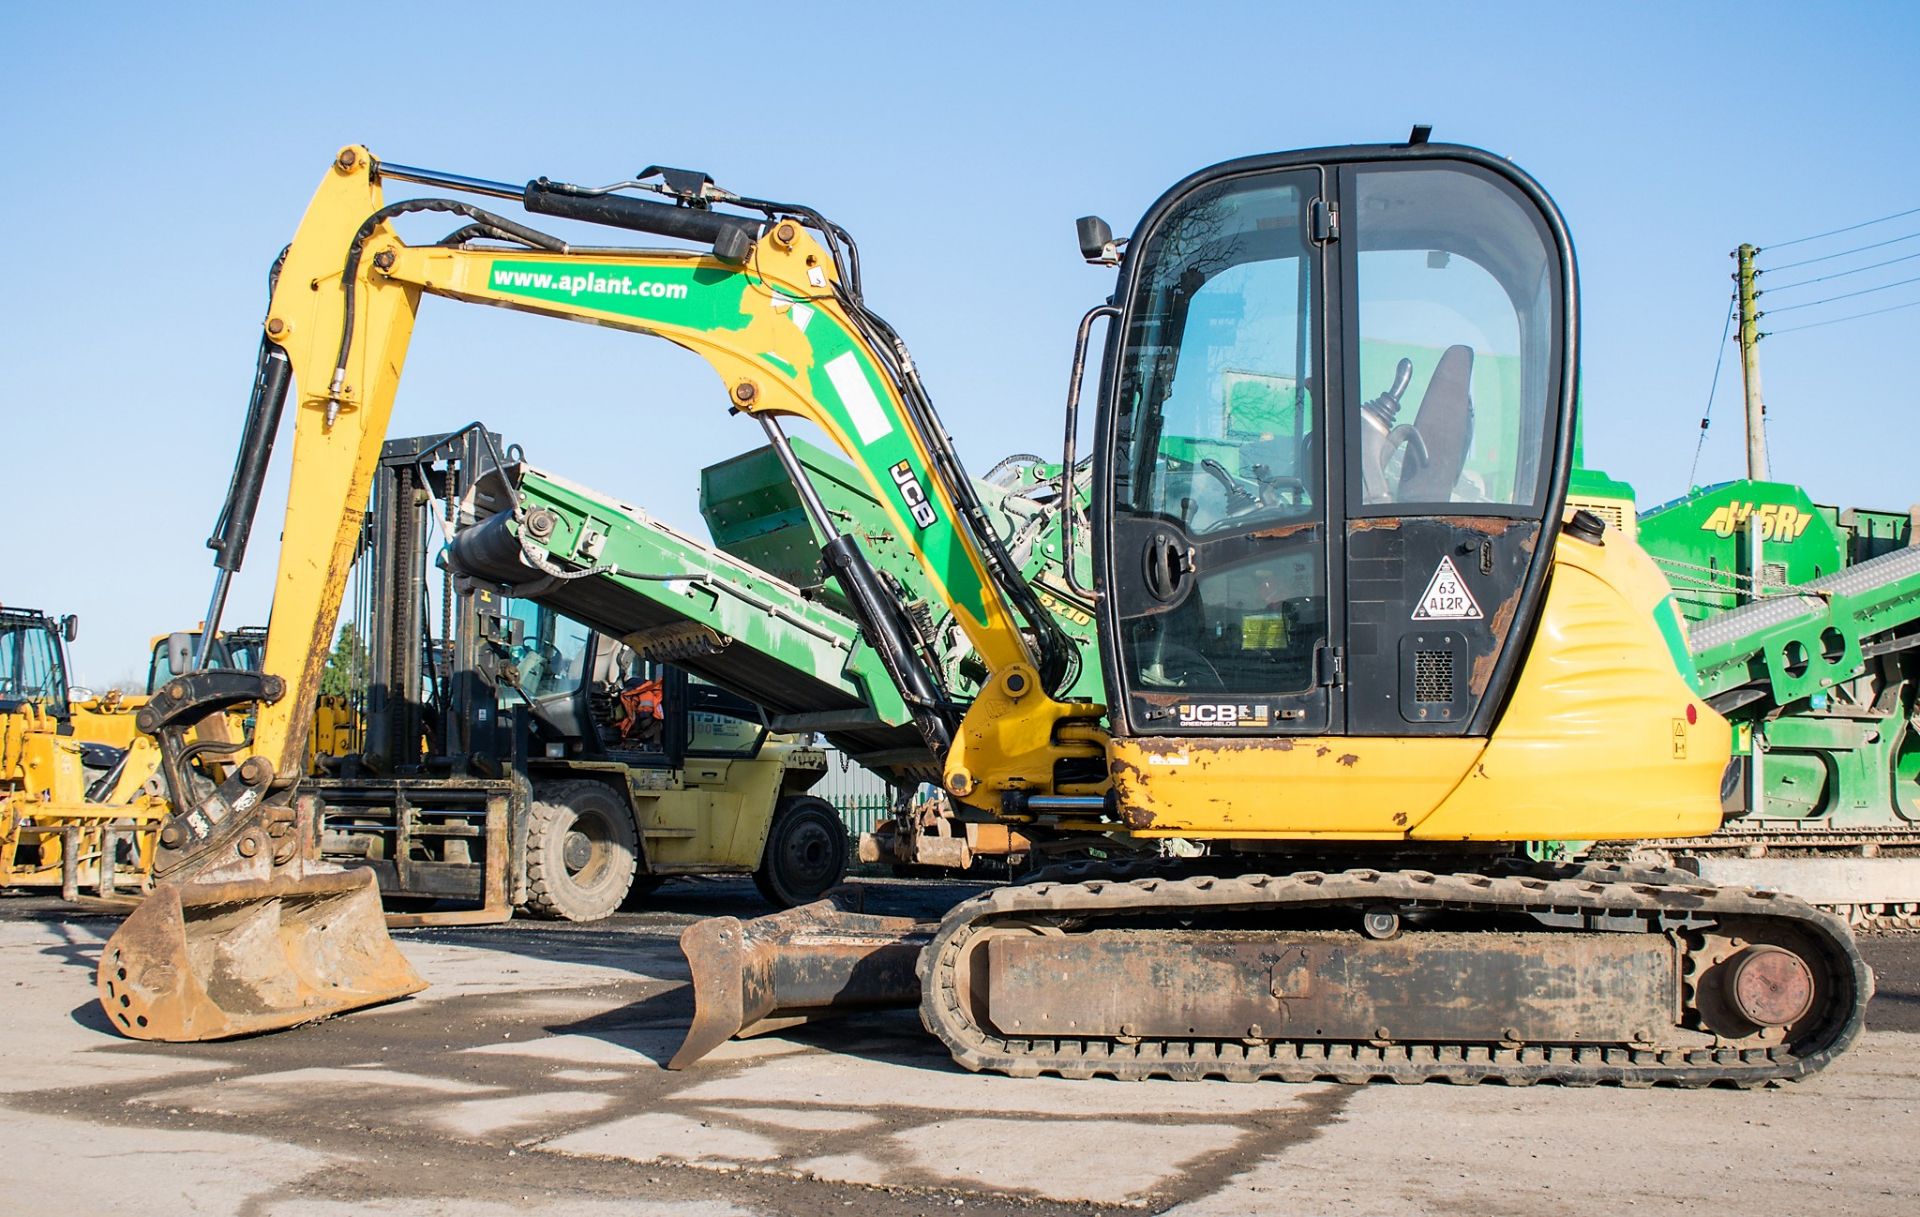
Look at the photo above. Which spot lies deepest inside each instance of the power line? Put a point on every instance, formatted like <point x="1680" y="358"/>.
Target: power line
<point x="1719" y="359"/>
<point x="1865" y="291"/>
<point x="1834" y="232"/>
<point x="1858" y="249"/>
<point x="1840" y="274"/>
<point x="1814" y="325"/>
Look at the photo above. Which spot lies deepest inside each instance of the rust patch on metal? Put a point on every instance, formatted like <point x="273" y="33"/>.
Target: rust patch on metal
<point x="1400" y="818"/>
<point x="1349" y="760"/>
<point x="1128" y="776"/>
<point x="1499" y="625"/>
<point x="1372" y="523"/>
<point x="1197" y="746"/>
<point x="1284" y="531"/>
<point x="1485" y="526"/>
<point x="1162" y="699"/>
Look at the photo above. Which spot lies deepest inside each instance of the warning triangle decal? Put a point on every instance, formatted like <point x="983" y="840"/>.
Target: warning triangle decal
<point x="1446" y="597"/>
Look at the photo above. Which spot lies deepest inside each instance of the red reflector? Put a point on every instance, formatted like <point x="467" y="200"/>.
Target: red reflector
<point x="1693" y="714"/>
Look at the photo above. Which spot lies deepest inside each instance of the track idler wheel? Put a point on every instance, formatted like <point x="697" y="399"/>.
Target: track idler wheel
<point x="1770" y="986"/>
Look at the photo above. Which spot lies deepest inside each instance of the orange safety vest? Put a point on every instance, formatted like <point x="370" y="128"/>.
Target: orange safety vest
<point x="644" y="702"/>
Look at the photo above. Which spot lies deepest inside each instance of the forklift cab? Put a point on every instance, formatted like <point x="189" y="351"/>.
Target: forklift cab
<point x="589" y="696"/>
<point x="240" y="650"/>
<point x="33" y="663"/>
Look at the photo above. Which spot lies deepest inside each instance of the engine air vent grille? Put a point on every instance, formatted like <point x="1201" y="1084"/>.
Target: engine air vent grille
<point x="1433" y="677"/>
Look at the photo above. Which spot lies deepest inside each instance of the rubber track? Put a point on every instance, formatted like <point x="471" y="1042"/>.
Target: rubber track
<point x="1604" y="890"/>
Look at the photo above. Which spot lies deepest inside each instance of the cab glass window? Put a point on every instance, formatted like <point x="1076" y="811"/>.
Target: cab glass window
<point x="1220" y="378"/>
<point x="712" y="728"/>
<point x="30" y="667"/>
<point x="1458" y="319"/>
<point x="550" y="658"/>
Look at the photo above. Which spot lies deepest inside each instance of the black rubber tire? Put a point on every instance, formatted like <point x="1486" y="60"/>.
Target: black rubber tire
<point x="642" y="887"/>
<point x="806" y="852"/>
<point x="600" y="827"/>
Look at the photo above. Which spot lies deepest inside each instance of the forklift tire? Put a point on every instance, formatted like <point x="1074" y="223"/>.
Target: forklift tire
<point x="642" y="887"/>
<point x="806" y="852"/>
<point x="582" y="848"/>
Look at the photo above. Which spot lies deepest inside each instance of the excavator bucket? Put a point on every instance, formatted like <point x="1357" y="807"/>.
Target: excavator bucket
<point x="208" y="961"/>
<point x="818" y="960"/>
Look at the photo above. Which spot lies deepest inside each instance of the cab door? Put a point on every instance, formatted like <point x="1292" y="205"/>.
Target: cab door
<point x="1453" y="356"/>
<point x="1220" y="550"/>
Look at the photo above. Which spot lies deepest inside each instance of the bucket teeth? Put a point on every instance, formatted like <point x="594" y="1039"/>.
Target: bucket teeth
<point x="212" y="961"/>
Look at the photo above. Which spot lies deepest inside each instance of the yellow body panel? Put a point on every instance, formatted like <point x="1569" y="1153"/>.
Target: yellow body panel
<point x="107" y="719"/>
<point x="1601" y="739"/>
<point x="1306" y="786"/>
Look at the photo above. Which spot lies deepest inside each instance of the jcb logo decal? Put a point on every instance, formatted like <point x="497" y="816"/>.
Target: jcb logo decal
<point x="1222" y="714"/>
<point x="915" y="498"/>
<point x="1778" y="521"/>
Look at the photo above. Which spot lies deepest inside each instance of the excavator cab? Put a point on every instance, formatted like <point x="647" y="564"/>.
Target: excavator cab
<point x="1331" y="435"/>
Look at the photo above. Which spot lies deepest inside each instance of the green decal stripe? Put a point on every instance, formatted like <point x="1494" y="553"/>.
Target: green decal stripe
<point x="673" y="295"/>
<point x="702" y="299"/>
<point x="1667" y="617"/>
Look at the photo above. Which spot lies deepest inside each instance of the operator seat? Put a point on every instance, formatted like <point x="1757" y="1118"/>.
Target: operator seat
<point x="1445" y="430"/>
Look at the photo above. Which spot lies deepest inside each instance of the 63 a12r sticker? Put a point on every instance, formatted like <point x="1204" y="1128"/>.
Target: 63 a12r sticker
<point x="1446" y="597"/>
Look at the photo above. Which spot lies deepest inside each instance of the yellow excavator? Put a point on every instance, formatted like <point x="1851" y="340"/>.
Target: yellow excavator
<point x="1355" y="650"/>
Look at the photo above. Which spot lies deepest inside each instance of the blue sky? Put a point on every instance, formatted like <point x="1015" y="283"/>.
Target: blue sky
<point x="157" y="160"/>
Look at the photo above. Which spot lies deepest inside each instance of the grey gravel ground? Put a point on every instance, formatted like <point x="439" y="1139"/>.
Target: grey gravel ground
<point x="527" y="1081"/>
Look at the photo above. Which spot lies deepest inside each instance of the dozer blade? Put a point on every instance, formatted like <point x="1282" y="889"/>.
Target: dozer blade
<point x="819" y="960"/>
<point x="206" y="961"/>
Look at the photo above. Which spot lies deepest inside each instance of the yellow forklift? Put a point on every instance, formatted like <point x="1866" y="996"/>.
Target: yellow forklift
<point x="74" y="811"/>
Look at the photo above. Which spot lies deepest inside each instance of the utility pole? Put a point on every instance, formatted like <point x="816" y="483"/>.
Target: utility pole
<point x="1750" y="365"/>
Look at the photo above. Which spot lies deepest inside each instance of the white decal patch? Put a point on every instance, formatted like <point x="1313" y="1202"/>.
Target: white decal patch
<point x="1446" y="597"/>
<point x="801" y="314"/>
<point x="862" y="406"/>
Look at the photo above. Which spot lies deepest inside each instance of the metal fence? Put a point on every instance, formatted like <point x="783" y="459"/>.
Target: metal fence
<point x="862" y="799"/>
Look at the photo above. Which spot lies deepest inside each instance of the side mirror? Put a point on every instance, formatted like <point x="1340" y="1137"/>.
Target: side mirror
<point x="1096" y="241"/>
<point x="179" y="652"/>
<point x="70" y="626"/>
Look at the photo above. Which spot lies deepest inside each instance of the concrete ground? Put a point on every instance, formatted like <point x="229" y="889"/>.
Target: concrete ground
<point x="527" y="1083"/>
